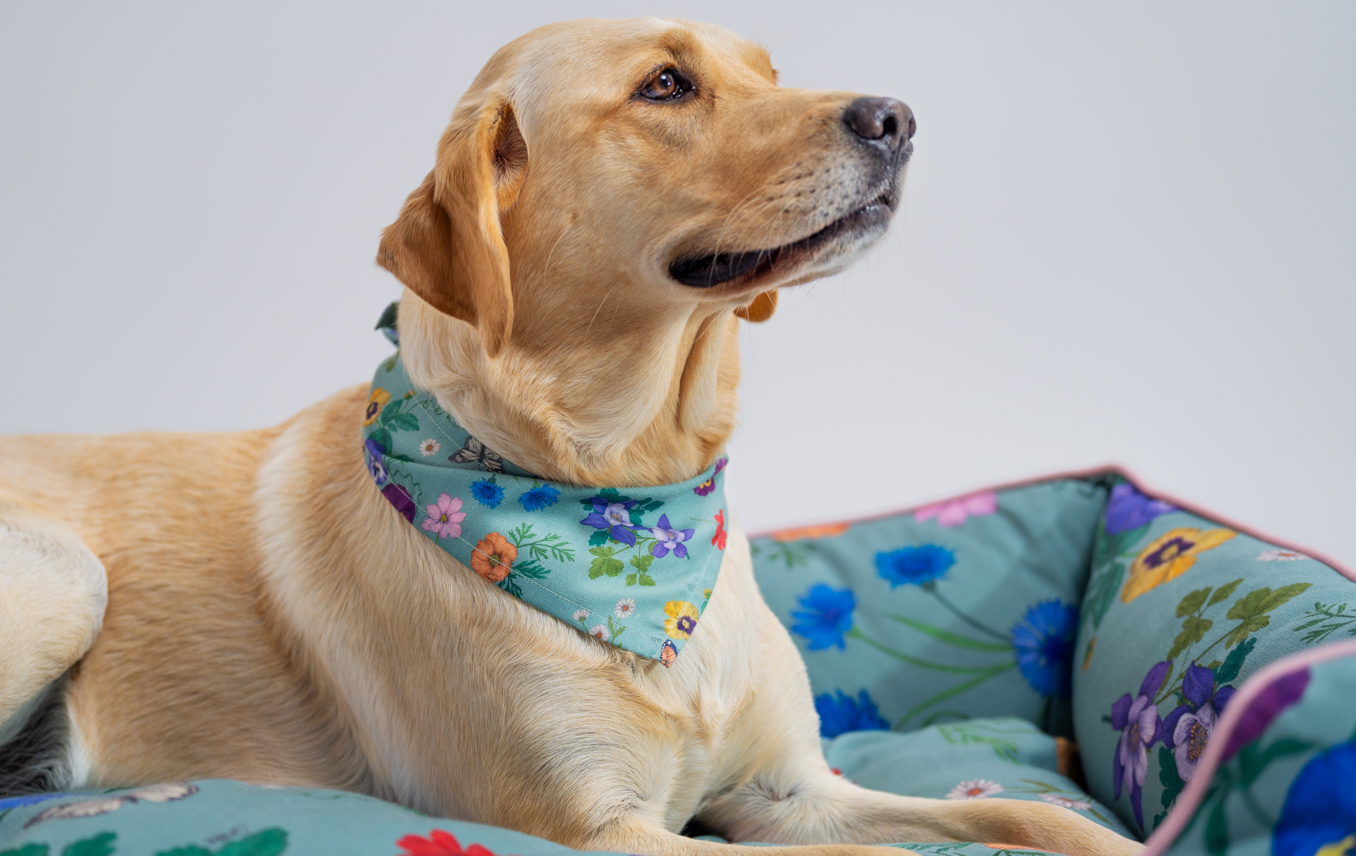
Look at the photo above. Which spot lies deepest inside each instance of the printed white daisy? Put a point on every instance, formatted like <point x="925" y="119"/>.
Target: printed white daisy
<point x="429" y="447"/>
<point x="1280" y="556"/>
<point x="580" y="614"/>
<point x="599" y="632"/>
<point x="626" y="607"/>
<point x="1065" y="802"/>
<point x="975" y="789"/>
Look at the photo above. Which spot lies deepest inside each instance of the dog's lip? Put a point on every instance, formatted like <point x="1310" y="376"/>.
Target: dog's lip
<point x="712" y="269"/>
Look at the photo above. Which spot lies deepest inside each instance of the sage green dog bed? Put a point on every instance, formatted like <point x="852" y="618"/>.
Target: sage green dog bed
<point x="1207" y="674"/>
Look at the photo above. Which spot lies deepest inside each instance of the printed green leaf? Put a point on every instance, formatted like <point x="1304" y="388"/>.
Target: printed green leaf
<point x="1252" y="760"/>
<point x="630" y="579"/>
<point x="1193" y="631"/>
<point x="99" y="845"/>
<point x="967" y="735"/>
<point x="382" y="438"/>
<point x="604" y="565"/>
<point x="1103" y="592"/>
<point x="653" y="505"/>
<point x="599" y="537"/>
<point x="26" y="850"/>
<point x="404" y="422"/>
<point x="635" y="517"/>
<point x="1167" y="775"/>
<point x="390" y="410"/>
<point x="1251" y="609"/>
<point x="1108" y="547"/>
<point x="603" y="552"/>
<point x="1192" y="602"/>
<point x="1217" y="831"/>
<point x="1223" y="592"/>
<point x="531" y="569"/>
<point x="646" y="579"/>
<point x="949" y="637"/>
<point x="642" y="562"/>
<point x="1228" y="670"/>
<point x="268" y="842"/>
<point x="190" y="850"/>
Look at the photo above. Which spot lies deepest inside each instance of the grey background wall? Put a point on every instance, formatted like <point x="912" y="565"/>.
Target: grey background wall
<point x="1128" y="235"/>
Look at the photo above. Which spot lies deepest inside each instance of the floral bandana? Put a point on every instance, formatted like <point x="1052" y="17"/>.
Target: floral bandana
<point x="634" y="567"/>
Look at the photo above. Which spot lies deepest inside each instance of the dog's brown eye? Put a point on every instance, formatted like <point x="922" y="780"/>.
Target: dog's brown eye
<point x="667" y="85"/>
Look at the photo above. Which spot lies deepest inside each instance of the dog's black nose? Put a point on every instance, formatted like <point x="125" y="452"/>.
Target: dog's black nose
<point x="882" y="122"/>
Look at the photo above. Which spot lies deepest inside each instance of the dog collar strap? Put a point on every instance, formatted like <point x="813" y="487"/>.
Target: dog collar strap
<point x="634" y="567"/>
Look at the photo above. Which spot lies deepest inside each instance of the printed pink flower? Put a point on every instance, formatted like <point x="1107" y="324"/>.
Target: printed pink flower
<point x="445" y="518"/>
<point x="954" y="512"/>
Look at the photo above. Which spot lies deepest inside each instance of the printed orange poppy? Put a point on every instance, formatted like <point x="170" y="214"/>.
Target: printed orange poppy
<point x="493" y="557"/>
<point x="820" y="530"/>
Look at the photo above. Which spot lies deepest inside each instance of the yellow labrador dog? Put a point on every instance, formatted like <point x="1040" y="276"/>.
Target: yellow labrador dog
<point x="608" y="197"/>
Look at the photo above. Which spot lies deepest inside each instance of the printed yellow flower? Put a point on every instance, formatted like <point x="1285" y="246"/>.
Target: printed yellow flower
<point x="375" y="402"/>
<point x="682" y="619"/>
<point x="1168" y="557"/>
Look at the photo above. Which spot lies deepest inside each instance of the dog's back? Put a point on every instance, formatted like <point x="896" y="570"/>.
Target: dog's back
<point x="187" y="649"/>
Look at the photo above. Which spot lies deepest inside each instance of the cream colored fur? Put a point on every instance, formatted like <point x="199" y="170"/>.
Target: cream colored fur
<point x="271" y="618"/>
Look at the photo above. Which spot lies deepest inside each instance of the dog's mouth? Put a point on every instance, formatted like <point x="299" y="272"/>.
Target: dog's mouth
<point x="708" y="271"/>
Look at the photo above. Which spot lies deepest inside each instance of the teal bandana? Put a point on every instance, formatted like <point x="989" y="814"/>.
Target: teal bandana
<point x="631" y="566"/>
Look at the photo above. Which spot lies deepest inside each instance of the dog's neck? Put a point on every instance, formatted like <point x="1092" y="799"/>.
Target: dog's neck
<point x="643" y="399"/>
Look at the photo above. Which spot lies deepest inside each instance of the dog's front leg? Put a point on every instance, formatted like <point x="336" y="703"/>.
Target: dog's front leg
<point x="639" y="836"/>
<point x="782" y="791"/>
<point x="828" y="808"/>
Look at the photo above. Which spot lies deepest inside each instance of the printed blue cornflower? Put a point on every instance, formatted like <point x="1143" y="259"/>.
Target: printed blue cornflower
<point x="1044" y="642"/>
<point x="487" y="493"/>
<point x="539" y="497"/>
<point x="826" y="617"/>
<point x="840" y="713"/>
<point x="916" y="565"/>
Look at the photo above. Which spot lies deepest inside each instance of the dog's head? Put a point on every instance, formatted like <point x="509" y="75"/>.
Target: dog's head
<point x="607" y="196"/>
<point x="656" y="158"/>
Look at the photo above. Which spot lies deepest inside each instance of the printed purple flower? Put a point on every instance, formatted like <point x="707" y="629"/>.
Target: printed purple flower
<point x="1188" y="728"/>
<point x="401" y="499"/>
<point x="614" y="517"/>
<point x="1137" y="720"/>
<point x="710" y="484"/>
<point x="375" y="465"/>
<point x="669" y="540"/>
<point x="1129" y="509"/>
<point x="1264" y="708"/>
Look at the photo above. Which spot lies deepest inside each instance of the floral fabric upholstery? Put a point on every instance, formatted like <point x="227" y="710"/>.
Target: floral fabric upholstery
<point x="963" y="609"/>
<point x="1208" y="677"/>
<point x="1179" y="613"/>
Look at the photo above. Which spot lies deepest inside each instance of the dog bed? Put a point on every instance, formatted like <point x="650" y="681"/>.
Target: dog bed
<point x="1205" y="672"/>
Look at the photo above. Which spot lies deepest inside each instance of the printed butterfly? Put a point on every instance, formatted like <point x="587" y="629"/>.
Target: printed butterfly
<point x="475" y="452"/>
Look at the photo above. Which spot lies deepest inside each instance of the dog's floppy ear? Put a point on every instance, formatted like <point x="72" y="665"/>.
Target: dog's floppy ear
<point x="447" y="245"/>
<point x="760" y="309"/>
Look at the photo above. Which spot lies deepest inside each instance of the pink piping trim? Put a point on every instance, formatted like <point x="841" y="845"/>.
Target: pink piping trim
<point x="1093" y="471"/>
<point x="1194" y="792"/>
